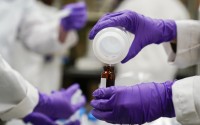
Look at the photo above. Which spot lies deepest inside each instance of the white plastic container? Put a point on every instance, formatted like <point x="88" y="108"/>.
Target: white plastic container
<point x="111" y="45"/>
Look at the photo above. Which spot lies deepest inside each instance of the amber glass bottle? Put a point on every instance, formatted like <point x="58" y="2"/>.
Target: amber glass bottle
<point x="108" y="76"/>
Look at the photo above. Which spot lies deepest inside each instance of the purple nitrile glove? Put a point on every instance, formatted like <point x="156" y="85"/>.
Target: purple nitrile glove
<point x="58" y="105"/>
<point x="77" y="18"/>
<point x="146" y="30"/>
<point x="136" y="104"/>
<point x="39" y="119"/>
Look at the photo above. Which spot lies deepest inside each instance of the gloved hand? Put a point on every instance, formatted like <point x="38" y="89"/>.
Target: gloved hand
<point x="137" y="104"/>
<point x="41" y="119"/>
<point x="77" y="18"/>
<point x="58" y="104"/>
<point x="147" y="31"/>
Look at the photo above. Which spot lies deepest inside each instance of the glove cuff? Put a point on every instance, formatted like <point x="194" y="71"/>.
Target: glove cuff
<point x="42" y="104"/>
<point x="168" y="104"/>
<point x="171" y="28"/>
<point x="168" y="31"/>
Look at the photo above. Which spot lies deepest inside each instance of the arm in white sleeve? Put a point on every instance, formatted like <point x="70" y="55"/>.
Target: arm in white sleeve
<point x="70" y="41"/>
<point x="17" y="97"/>
<point x="39" y="33"/>
<point x="187" y="101"/>
<point x="188" y="44"/>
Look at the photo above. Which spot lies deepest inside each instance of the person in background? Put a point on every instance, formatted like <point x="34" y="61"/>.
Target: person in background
<point x="149" y="101"/>
<point x="44" y="70"/>
<point x="21" y="20"/>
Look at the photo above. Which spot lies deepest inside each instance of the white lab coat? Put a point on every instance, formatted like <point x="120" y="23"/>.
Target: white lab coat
<point x="45" y="76"/>
<point x="186" y="91"/>
<point x="19" y="19"/>
<point x="17" y="96"/>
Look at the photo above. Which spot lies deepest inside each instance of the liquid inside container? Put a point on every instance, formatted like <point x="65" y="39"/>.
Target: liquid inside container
<point x="111" y="45"/>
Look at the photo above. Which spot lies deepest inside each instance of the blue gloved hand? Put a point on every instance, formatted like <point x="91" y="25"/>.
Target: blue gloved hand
<point x="58" y="104"/>
<point x="77" y="18"/>
<point x="137" y="104"/>
<point x="146" y="30"/>
<point x="39" y="119"/>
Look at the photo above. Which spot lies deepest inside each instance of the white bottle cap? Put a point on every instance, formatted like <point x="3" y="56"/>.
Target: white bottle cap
<point x="111" y="45"/>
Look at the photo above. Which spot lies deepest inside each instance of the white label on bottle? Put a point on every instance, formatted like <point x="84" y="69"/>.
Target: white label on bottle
<point x="103" y="83"/>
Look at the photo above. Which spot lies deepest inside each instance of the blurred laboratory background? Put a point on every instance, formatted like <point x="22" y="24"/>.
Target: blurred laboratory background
<point x="77" y="63"/>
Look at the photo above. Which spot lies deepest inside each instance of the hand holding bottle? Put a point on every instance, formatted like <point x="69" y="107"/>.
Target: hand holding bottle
<point x="146" y="30"/>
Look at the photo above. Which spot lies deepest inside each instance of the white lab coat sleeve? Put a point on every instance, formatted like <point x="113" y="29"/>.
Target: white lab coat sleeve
<point x="70" y="41"/>
<point x="17" y="97"/>
<point x="188" y="44"/>
<point x="37" y="32"/>
<point x="186" y="100"/>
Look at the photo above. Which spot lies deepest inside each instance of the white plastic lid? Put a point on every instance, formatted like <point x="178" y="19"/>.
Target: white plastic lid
<point x="111" y="45"/>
